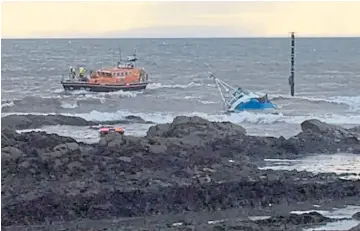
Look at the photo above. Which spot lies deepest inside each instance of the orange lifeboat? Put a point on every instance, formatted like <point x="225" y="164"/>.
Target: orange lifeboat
<point x="125" y="76"/>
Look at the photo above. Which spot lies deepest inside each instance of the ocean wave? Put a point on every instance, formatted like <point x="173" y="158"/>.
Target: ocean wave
<point x="122" y="94"/>
<point x="154" y="86"/>
<point x="68" y="100"/>
<point x="7" y="104"/>
<point x="34" y="103"/>
<point x="353" y="102"/>
<point x="237" y="118"/>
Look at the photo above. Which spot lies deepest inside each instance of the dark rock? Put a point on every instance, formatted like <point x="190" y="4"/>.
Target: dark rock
<point x="127" y="120"/>
<point x="112" y="140"/>
<point x="319" y="137"/>
<point x="135" y="119"/>
<point x="72" y="147"/>
<point x="162" y="222"/>
<point x="356" y="216"/>
<point x="275" y="223"/>
<point x="317" y="126"/>
<point x="41" y="140"/>
<point x="296" y="219"/>
<point x="183" y="126"/>
<point x="328" y="130"/>
<point x="125" y="158"/>
<point x="12" y="153"/>
<point x="20" y="122"/>
<point x="188" y="165"/>
<point x="354" y="129"/>
<point x="356" y="150"/>
<point x="37" y="121"/>
<point x="356" y="228"/>
<point x="8" y="137"/>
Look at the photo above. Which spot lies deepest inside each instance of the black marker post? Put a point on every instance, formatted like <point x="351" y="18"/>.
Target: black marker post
<point x="292" y="69"/>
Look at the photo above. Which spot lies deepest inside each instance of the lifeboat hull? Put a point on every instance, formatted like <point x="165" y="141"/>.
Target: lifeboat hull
<point x="94" y="87"/>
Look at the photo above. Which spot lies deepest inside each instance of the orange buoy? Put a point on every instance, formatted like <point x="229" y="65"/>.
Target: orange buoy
<point x="119" y="130"/>
<point x="104" y="131"/>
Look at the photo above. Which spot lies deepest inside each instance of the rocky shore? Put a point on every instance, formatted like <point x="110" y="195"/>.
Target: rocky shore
<point x="30" y="121"/>
<point x="190" y="165"/>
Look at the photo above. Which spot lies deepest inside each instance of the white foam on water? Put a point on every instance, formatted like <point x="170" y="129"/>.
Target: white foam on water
<point x="69" y="105"/>
<point x="77" y="92"/>
<point x="197" y="98"/>
<point x="81" y="134"/>
<point x="90" y="135"/>
<point x="177" y="224"/>
<point x="257" y="218"/>
<point x="212" y="222"/>
<point x="59" y="90"/>
<point x="154" y="86"/>
<point x="352" y="101"/>
<point x="71" y="99"/>
<point x="334" y="163"/>
<point x="164" y="117"/>
<point x="121" y="94"/>
<point x="8" y="104"/>
<point x="237" y="118"/>
<point x="207" y="102"/>
<point x="89" y="94"/>
<point x="192" y="97"/>
<point x="345" y="212"/>
<point x="282" y="160"/>
<point x="336" y="226"/>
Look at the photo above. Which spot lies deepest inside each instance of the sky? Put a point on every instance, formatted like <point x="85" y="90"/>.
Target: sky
<point x="31" y="19"/>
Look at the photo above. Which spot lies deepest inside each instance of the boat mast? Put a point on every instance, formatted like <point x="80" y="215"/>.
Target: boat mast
<point x="220" y="85"/>
<point x="292" y="64"/>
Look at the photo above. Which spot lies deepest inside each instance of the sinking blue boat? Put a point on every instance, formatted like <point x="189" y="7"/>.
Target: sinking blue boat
<point x="239" y="99"/>
<point x="243" y="100"/>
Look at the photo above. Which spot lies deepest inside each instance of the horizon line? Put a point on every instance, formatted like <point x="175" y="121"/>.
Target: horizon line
<point x="217" y="37"/>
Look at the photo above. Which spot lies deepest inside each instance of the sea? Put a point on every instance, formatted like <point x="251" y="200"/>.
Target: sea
<point x="327" y="78"/>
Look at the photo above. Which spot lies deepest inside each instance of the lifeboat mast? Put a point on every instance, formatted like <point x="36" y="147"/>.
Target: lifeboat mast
<point x="129" y="62"/>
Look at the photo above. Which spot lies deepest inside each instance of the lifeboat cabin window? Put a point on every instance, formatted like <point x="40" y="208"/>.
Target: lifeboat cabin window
<point x="104" y="74"/>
